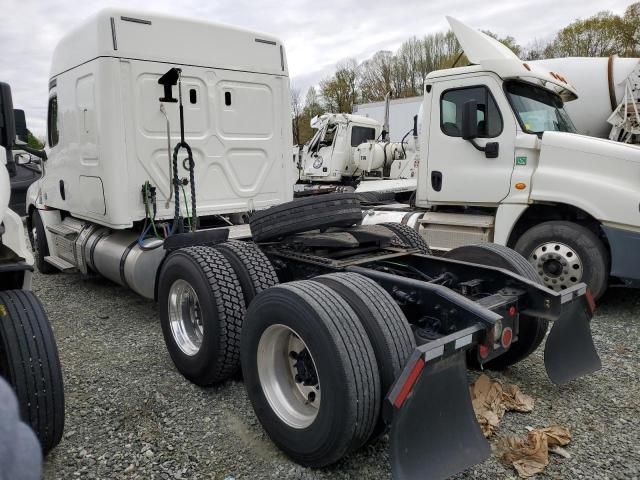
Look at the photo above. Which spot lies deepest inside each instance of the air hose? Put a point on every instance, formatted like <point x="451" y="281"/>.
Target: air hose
<point x="176" y="182"/>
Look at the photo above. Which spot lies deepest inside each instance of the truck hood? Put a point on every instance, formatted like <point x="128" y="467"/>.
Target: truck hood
<point x="599" y="176"/>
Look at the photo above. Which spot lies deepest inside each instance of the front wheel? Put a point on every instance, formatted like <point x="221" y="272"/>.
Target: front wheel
<point x="564" y="254"/>
<point x="38" y="238"/>
<point x="29" y="362"/>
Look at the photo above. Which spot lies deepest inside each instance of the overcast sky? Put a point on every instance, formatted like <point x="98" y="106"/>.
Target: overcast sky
<point x="316" y="34"/>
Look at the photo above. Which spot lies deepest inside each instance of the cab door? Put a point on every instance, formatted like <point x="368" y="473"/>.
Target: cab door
<point x="457" y="171"/>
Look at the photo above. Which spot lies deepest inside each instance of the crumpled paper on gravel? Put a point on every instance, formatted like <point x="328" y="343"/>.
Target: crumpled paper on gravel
<point x="491" y="399"/>
<point x="530" y="455"/>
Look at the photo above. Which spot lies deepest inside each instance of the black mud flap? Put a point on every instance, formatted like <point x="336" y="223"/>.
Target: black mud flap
<point x="434" y="431"/>
<point x="569" y="352"/>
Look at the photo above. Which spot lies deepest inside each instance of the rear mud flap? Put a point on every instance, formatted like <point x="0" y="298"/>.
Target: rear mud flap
<point x="569" y="352"/>
<point x="434" y="431"/>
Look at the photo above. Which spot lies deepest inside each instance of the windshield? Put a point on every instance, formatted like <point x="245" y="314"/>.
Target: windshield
<point x="538" y="110"/>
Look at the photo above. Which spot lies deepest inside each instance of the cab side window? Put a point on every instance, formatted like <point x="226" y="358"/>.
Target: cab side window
<point x="52" y="122"/>
<point x="362" y="134"/>
<point x="451" y="106"/>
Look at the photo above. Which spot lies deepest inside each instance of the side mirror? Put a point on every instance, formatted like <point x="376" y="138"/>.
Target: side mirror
<point x="22" y="158"/>
<point x="470" y="120"/>
<point x="21" y="125"/>
<point x="7" y="120"/>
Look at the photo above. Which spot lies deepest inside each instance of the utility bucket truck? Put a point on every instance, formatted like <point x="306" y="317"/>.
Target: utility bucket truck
<point x="500" y="161"/>
<point x="28" y="353"/>
<point x="158" y="147"/>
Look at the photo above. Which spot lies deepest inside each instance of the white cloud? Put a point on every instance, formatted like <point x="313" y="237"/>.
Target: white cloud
<point x="316" y="34"/>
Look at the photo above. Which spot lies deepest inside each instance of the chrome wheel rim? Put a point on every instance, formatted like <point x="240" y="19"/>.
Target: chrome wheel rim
<point x="288" y="376"/>
<point x="558" y="265"/>
<point x="185" y="317"/>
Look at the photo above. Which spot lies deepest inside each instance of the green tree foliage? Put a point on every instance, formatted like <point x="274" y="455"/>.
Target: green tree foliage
<point x="34" y="142"/>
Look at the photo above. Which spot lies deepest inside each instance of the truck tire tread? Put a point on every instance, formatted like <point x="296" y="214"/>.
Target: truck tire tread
<point x="385" y="324"/>
<point x="408" y="236"/>
<point x="312" y="303"/>
<point x="29" y="359"/>
<point x="254" y="270"/>
<point x="306" y="214"/>
<point x="228" y="303"/>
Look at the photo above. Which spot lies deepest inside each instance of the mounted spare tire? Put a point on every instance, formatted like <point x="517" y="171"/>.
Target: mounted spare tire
<point x="531" y="329"/>
<point x="302" y="215"/>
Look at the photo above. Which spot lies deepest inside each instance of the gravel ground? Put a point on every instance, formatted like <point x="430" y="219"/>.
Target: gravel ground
<point x="131" y="415"/>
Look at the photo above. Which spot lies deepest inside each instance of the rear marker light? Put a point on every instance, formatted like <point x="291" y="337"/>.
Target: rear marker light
<point x="507" y="337"/>
<point x="483" y="351"/>
<point x="408" y="385"/>
<point x="512" y="311"/>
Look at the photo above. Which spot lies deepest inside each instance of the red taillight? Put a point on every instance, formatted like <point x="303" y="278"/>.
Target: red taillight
<point x="507" y="337"/>
<point x="513" y="311"/>
<point x="483" y="351"/>
<point x="590" y="300"/>
<point x="408" y="384"/>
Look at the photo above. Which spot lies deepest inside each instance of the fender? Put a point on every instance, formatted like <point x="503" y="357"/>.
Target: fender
<point x="507" y="216"/>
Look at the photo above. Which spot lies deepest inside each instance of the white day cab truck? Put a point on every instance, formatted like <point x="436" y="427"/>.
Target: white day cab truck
<point x="28" y="353"/>
<point x="499" y="161"/>
<point x="158" y="148"/>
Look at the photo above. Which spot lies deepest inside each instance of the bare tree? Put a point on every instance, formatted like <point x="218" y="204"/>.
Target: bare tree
<point x="296" y="113"/>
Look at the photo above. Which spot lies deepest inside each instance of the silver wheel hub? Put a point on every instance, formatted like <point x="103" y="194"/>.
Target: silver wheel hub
<point x="288" y="376"/>
<point x="558" y="265"/>
<point x="185" y="317"/>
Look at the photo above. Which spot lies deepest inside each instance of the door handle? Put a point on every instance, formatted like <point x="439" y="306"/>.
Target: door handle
<point x="436" y="180"/>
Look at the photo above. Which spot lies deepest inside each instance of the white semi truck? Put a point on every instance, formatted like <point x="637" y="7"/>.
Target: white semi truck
<point x="520" y="175"/>
<point x="28" y="352"/>
<point x="162" y="133"/>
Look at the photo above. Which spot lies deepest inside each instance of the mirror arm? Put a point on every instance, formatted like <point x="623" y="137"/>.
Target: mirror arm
<point x="478" y="147"/>
<point x="33" y="151"/>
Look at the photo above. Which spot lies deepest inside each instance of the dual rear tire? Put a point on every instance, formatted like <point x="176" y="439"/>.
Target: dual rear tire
<point x="318" y="356"/>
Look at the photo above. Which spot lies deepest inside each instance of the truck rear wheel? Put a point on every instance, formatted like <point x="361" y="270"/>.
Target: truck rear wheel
<point x="385" y="324"/>
<point x="253" y="268"/>
<point x="313" y="213"/>
<point x="201" y="313"/>
<point x="29" y="362"/>
<point x="408" y="237"/>
<point x="531" y="330"/>
<point x="39" y="244"/>
<point x="310" y="372"/>
<point x="565" y="253"/>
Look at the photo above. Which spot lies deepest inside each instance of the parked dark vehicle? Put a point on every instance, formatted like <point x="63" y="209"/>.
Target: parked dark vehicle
<point x="25" y="170"/>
